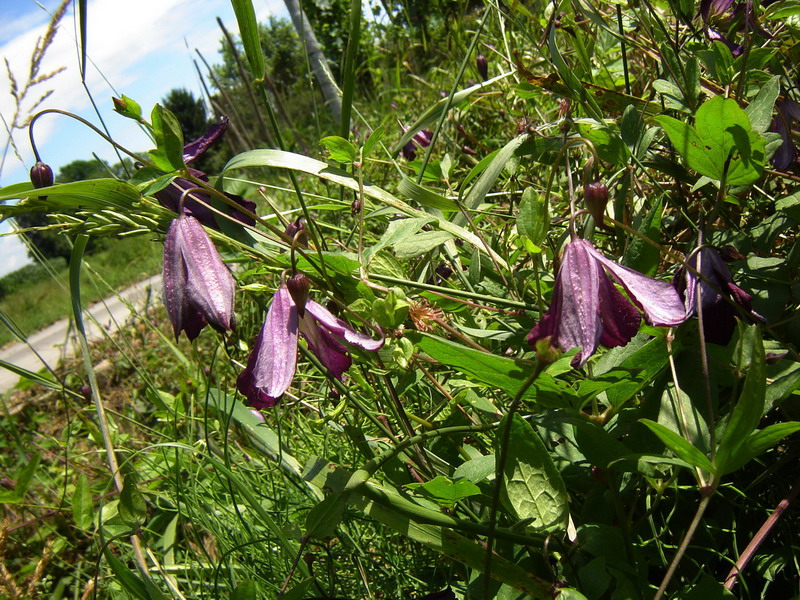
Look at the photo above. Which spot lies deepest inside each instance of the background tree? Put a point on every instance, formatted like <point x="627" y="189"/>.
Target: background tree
<point x="190" y="111"/>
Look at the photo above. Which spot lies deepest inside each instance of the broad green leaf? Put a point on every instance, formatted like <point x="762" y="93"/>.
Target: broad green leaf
<point x="477" y="469"/>
<point x="397" y="231"/>
<point x="324" y="518"/>
<point x="644" y="360"/>
<point x="445" y="491"/>
<point x="641" y="256"/>
<point x="82" y="505"/>
<point x="130" y="581"/>
<point x="504" y="373"/>
<point x="168" y="154"/>
<point x="246" y="590"/>
<point x="761" y="108"/>
<point x="420" y="243"/>
<point x="721" y="144"/>
<point x="297" y="162"/>
<point x="533" y="220"/>
<point x="423" y="196"/>
<point x="340" y="149"/>
<point x="679" y="446"/>
<point x="532" y="486"/>
<point x="759" y="442"/>
<point x="132" y="507"/>
<point x="748" y="410"/>
<point x="248" y="29"/>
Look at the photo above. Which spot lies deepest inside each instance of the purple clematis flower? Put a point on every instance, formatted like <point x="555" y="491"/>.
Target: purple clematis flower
<point x="714" y="293"/>
<point x="198" y="287"/>
<point x="170" y="196"/>
<point x="271" y="366"/>
<point x="588" y="310"/>
<point x="720" y="17"/>
<point x="422" y="139"/>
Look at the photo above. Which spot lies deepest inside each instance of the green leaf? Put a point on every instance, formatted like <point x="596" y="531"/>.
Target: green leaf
<point x="760" y="109"/>
<point x="641" y="256"/>
<point x="759" y="442"/>
<point x="644" y="360"/>
<point x="248" y="30"/>
<point x="340" y="149"/>
<point x="23" y="479"/>
<point x="324" y="518"/>
<point x="748" y="410"/>
<point x="533" y="220"/>
<point x="423" y="196"/>
<point x="130" y="581"/>
<point x="82" y="505"/>
<point x="132" y="507"/>
<point x="420" y="243"/>
<point x="721" y="144"/>
<point x="445" y="491"/>
<point x="397" y="231"/>
<point x="679" y="446"/>
<point x="374" y="138"/>
<point x="168" y="155"/>
<point x="504" y="373"/>
<point x="391" y="311"/>
<point x="246" y="590"/>
<point x="532" y="486"/>
<point x="128" y="107"/>
<point x="92" y="194"/>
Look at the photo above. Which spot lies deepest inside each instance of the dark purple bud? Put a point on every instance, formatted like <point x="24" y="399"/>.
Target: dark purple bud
<point x="482" y="66"/>
<point x="355" y="208"/>
<point x="298" y="286"/>
<point x="596" y="197"/>
<point x="772" y="358"/>
<point x="296" y="227"/>
<point x="86" y="392"/>
<point x="41" y="175"/>
<point x="468" y="150"/>
<point x="730" y="254"/>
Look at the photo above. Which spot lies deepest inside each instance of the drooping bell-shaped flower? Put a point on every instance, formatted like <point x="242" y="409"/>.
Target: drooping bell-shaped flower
<point x="788" y="115"/>
<point x="194" y="204"/>
<point x="198" y="287"/>
<point x="272" y="363"/>
<point x="714" y="292"/>
<point x="422" y="139"/>
<point x="588" y="310"/>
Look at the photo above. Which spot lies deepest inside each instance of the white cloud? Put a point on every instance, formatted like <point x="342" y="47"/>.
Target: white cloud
<point x="12" y="251"/>
<point x="137" y="48"/>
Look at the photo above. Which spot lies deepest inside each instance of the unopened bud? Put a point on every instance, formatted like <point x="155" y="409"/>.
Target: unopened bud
<point x="298" y="286"/>
<point x="468" y="150"/>
<point x="41" y="175"/>
<point x="119" y="105"/>
<point x="295" y="227"/>
<point x="596" y="197"/>
<point x="483" y="67"/>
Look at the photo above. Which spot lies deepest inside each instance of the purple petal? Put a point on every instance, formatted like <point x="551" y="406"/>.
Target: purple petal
<point x="193" y="150"/>
<point x="330" y="352"/>
<point x="271" y="366"/>
<point x="619" y="317"/>
<point x="658" y="299"/>
<point x="341" y="329"/>
<point x="209" y="283"/>
<point x="174" y="275"/>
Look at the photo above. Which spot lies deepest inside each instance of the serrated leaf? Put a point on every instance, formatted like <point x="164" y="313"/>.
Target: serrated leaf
<point x="82" y="505"/>
<point x="679" y="446"/>
<point x="340" y="149"/>
<point x="532" y="486"/>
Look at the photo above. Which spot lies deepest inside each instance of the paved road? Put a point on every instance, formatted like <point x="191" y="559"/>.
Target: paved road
<point x="58" y="340"/>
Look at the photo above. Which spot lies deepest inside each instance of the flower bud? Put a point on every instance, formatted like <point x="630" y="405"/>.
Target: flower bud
<point x="41" y="175"/>
<point x="596" y="197"/>
<point x="482" y="66"/>
<point x="546" y="351"/>
<point x="295" y="227"/>
<point x="298" y="286"/>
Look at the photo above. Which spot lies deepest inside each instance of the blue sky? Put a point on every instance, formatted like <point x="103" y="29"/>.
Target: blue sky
<point x="141" y="49"/>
